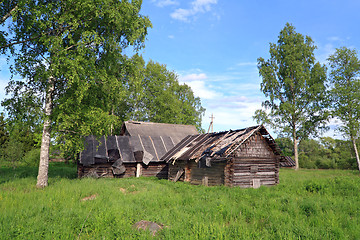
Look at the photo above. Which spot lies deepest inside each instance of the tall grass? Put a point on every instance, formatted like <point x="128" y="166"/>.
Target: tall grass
<point x="307" y="204"/>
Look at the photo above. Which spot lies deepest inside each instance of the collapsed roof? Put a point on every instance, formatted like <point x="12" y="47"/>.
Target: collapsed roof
<point x="216" y="145"/>
<point x="140" y="142"/>
<point x="129" y="149"/>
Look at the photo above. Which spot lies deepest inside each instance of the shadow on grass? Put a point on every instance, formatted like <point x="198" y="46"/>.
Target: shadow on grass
<point x="60" y="170"/>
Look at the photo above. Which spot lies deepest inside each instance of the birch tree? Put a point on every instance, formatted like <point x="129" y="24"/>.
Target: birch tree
<point x="294" y="84"/>
<point x="63" y="50"/>
<point x="345" y="92"/>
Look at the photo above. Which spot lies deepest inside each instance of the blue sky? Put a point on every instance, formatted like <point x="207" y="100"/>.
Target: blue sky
<point x="213" y="45"/>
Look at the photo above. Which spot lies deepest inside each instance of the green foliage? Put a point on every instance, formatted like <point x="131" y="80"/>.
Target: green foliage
<point x="345" y="92"/>
<point x="4" y="133"/>
<point x="286" y="145"/>
<point x="153" y="93"/>
<point x="324" y="153"/>
<point x="307" y="204"/>
<point x="13" y="151"/>
<point x="295" y="87"/>
<point x="294" y="84"/>
<point x="77" y="49"/>
<point x="31" y="158"/>
<point x="68" y="50"/>
<point x="345" y="89"/>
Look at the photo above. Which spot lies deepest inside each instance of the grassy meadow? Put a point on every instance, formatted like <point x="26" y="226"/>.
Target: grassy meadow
<point x="307" y="204"/>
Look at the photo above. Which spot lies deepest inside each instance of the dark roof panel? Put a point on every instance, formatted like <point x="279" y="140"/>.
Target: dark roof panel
<point x="149" y="147"/>
<point x="101" y="147"/>
<point x="159" y="146"/>
<point x="126" y="152"/>
<point x="111" y="143"/>
<point x="136" y="143"/>
<point x="168" y="142"/>
<point x="87" y="156"/>
<point x="176" y="131"/>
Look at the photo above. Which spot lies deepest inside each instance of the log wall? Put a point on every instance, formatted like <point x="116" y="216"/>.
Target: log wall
<point x="159" y="170"/>
<point x="254" y="163"/>
<point x="209" y="176"/>
<point x="173" y="170"/>
<point x="251" y="165"/>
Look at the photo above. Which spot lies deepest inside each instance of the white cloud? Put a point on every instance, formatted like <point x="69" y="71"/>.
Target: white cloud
<point x="171" y="36"/>
<point x="197" y="6"/>
<point x="193" y="77"/>
<point x="231" y="117"/>
<point x="246" y="64"/>
<point x="201" y="90"/>
<point x="231" y="97"/>
<point x="165" y="3"/>
<point x="335" y="39"/>
<point x="199" y="85"/>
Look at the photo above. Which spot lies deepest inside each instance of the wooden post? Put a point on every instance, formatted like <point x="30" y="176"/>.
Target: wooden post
<point x="138" y="169"/>
<point x="256" y="183"/>
<point x="205" y="181"/>
<point x="211" y="126"/>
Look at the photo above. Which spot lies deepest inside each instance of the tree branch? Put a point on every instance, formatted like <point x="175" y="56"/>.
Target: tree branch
<point x="19" y="42"/>
<point x="3" y="19"/>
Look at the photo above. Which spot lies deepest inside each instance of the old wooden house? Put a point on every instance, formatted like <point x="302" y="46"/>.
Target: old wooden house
<point x="247" y="158"/>
<point x="136" y="152"/>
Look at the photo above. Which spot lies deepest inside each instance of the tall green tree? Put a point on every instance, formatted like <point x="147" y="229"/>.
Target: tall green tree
<point x="63" y="50"/>
<point x="345" y="92"/>
<point x="155" y="94"/>
<point x="294" y="84"/>
<point x="166" y="100"/>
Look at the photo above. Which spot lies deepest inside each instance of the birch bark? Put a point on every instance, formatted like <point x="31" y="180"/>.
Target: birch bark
<point x="356" y="151"/>
<point x="42" y="178"/>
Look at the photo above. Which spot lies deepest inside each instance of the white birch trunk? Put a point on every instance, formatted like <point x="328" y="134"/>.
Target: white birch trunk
<point x="356" y="151"/>
<point x="42" y="178"/>
<point x="296" y="155"/>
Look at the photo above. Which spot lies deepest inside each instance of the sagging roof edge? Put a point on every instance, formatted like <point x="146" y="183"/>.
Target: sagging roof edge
<point x="189" y="145"/>
<point x="98" y="146"/>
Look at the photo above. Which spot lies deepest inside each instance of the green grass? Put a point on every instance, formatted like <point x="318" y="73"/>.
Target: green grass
<point x="307" y="204"/>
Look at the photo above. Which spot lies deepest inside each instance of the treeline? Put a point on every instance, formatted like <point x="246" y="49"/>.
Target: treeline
<point x="321" y="153"/>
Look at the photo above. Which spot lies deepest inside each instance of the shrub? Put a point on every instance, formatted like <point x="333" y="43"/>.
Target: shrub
<point x="32" y="157"/>
<point x="13" y="151"/>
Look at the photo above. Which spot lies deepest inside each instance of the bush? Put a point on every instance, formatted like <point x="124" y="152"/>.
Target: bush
<point x="31" y="158"/>
<point x="13" y="151"/>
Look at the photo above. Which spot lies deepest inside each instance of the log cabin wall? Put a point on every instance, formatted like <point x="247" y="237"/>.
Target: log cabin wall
<point x="178" y="166"/>
<point x="105" y="170"/>
<point x="229" y="173"/>
<point x="159" y="170"/>
<point x="254" y="164"/>
<point x="209" y="176"/>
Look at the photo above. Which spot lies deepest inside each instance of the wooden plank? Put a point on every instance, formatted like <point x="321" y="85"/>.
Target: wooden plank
<point x="265" y="173"/>
<point x="178" y="174"/>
